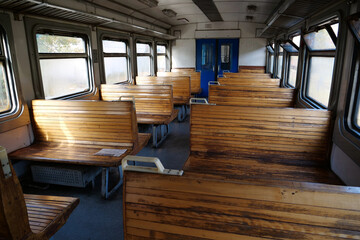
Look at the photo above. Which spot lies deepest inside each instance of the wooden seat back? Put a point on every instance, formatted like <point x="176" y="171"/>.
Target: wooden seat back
<point x="250" y="70"/>
<point x="260" y="82"/>
<point x="183" y="70"/>
<point x="265" y="133"/>
<point x="173" y="207"/>
<point x="14" y="222"/>
<point x="246" y="75"/>
<point x="86" y="122"/>
<point x="181" y="86"/>
<point x="251" y="96"/>
<point x="149" y="99"/>
<point x="195" y="78"/>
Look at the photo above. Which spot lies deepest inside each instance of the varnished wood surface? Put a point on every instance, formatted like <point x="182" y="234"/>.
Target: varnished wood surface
<point x="48" y="213"/>
<point x="256" y="82"/>
<point x="251" y="96"/>
<point x="188" y="207"/>
<point x="181" y="86"/>
<point x="73" y="131"/>
<point x="251" y="69"/>
<point x="252" y="131"/>
<point x="30" y="217"/>
<point x="183" y="70"/>
<point x="246" y="75"/>
<point x="195" y="78"/>
<point x="153" y="103"/>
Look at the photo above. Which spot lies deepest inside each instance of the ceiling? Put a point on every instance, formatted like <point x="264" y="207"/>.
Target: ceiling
<point x="135" y="16"/>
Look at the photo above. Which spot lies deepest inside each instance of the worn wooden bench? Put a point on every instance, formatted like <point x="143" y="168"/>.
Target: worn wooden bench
<point x="181" y="89"/>
<point x="72" y="132"/>
<point x="253" y="173"/>
<point x="267" y="82"/>
<point x="183" y="70"/>
<point x="251" y="96"/>
<point x="251" y="70"/>
<point x="195" y="79"/>
<point x="26" y="216"/>
<point x="153" y="103"/>
<point x="247" y="75"/>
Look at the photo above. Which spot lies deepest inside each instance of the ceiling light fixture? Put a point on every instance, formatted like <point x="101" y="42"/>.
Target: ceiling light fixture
<point x="149" y="3"/>
<point x="169" y="12"/>
<point x="249" y="18"/>
<point x="251" y="8"/>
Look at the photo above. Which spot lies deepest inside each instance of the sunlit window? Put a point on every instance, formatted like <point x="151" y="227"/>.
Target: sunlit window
<point x="7" y="93"/>
<point x="280" y="62"/>
<point x="292" y="52"/>
<point x="320" y="64"/>
<point x="143" y="59"/>
<point x="115" y="61"/>
<point x="64" y="64"/>
<point x="161" y="58"/>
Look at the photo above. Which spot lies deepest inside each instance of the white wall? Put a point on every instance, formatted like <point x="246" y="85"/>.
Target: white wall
<point x="251" y="49"/>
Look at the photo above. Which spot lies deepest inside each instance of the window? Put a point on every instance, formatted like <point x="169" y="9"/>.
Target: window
<point x="280" y="62"/>
<point x="161" y="58"/>
<point x="64" y="64"/>
<point x="291" y="47"/>
<point x="116" y="64"/>
<point x="270" y="60"/>
<point x="7" y="91"/>
<point x="225" y="56"/>
<point x="320" y="63"/>
<point x="143" y="59"/>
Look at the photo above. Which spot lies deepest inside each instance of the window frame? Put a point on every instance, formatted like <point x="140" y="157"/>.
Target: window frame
<point x="122" y="37"/>
<point x="18" y="115"/>
<point x="166" y="54"/>
<point x="145" y="40"/>
<point x="288" y="61"/>
<point x="269" y="55"/>
<point x="34" y="26"/>
<point x="278" y="61"/>
<point x="320" y="53"/>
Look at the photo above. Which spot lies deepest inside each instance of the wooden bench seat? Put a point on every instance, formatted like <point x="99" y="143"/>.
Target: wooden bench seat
<point x="181" y="89"/>
<point x="73" y="131"/>
<point x="27" y="216"/>
<point x="195" y="79"/>
<point x="194" y="207"/>
<point x="183" y="70"/>
<point x="251" y="96"/>
<point x="262" y="82"/>
<point x="252" y="173"/>
<point x="247" y="75"/>
<point x="153" y="103"/>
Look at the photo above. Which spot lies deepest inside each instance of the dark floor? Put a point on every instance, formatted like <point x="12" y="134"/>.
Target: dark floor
<point x="96" y="218"/>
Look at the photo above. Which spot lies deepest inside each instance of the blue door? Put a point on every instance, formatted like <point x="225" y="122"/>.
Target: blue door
<point x="213" y="56"/>
<point x="206" y="62"/>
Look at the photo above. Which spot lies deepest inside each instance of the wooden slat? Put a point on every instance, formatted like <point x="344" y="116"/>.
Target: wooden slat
<point x="153" y="103"/>
<point x="244" y="74"/>
<point x="259" y="82"/>
<point x="251" y="96"/>
<point x="169" y="207"/>
<point x="195" y="78"/>
<point x="181" y="86"/>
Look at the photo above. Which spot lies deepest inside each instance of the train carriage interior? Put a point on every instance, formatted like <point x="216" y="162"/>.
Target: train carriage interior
<point x="179" y="119"/>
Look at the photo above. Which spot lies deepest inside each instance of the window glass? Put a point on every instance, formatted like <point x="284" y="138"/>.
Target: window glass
<point x="59" y="44"/>
<point x="225" y="53"/>
<point x="292" y="70"/>
<point x="110" y="46"/>
<point x="63" y="77"/>
<point x="161" y="63"/>
<point x="281" y="49"/>
<point x="271" y="63"/>
<point x="320" y="78"/>
<point x="335" y="28"/>
<point x="280" y="62"/>
<point x="115" y="69"/>
<point x="207" y="58"/>
<point x="115" y="61"/>
<point x="289" y="47"/>
<point x="142" y="48"/>
<point x="4" y="91"/>
<point x="320" y="40"/>
<point x="357" y="113"/>
<point x="270" y="49"/>
<point x="143" y="66"/>
<point x="64" y="65"/>
<point x="160" y="49"/>
<point x="296" y="40"/>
